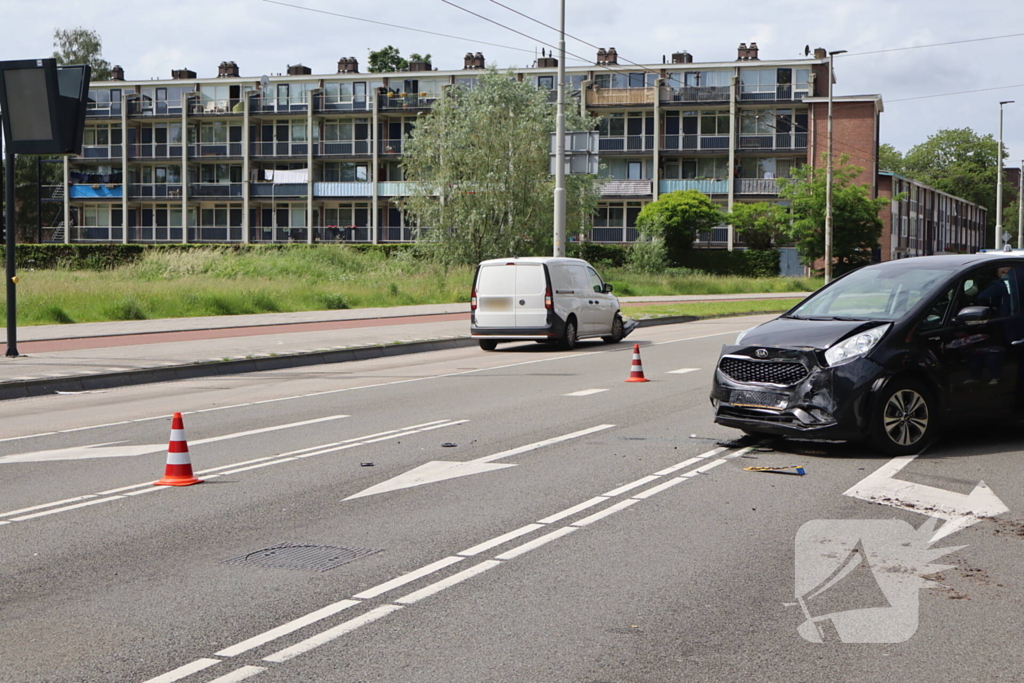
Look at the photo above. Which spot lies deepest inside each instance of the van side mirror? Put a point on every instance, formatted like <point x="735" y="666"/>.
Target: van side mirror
<point x="607" y="288"/>
<point x="973" y="315"/>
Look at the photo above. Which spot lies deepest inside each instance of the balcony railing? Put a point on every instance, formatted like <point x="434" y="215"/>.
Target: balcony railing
<point x="388" y="147"/>
<point x="407" y="102"/>
<point x="153" y="108"/>
<point x="153" y="150"/>
<point x="96" y="191"/>
<point x="103" y="109"/>
<point x="101" y="151"/>
<point x="280" y="105"/>
<point x="757" y="186"/>
<point x="325" y="103"/>
<point x="694" y="142"/>
<point x="215" y="149"/>
<point x="343" y="189"/>
<point x="599" y="97"/>
<point x="613" y="234"/>
<point x="278" y="149"/>
<point x="214" y="190"/>
<point x="626" y="188"/>
<point x="202" y="107"/>
<point x="782" y="92"/>
<point x="344" y="148"/>
<point x="705" y="185"/>
<point x="278" y="190"/>
<point x="780" y="141"/>
<point x="162" y="190"/>
<point x="696" y="93"/>
<point x="626" y="143"/>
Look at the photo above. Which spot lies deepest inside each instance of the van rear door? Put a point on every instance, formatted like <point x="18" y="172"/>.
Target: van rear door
<point x="495" y="296"/>
<point x="531" y="288"/>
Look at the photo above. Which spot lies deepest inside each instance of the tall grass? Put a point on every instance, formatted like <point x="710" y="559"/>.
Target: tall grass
<point x="175" y="284"/>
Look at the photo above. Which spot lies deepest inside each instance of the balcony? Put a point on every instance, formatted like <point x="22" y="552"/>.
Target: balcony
<point x="215" y="149"/>
<point x="626" y="143"/>
<point x="773" y="93"/>
<point x="362" y="189"/>
<point x="705" y="185"/>
<point x="344" y="148"/>
<point x="278" y="105"/>
<point x="676" y="143"/>
<point x="203" y="107"/>
<point x="159" y="108"/>
<point x="100" y="152"/>
<point x="396" y="188"/>
<point x="407" y="102"/>
<point x="278" y="149"/>
<point x="324" y="103"/>
<point x="626" y="188"/>
<point x="619" y="97"/>
<point x="103" y="110"/>
<point x="96" y="191"/>
<point x="695" y="93"/>
<point x="278" y="190"/>
<point x="215" y="190"/>
<point x="614" y="235"/>
<point x="759" y="186"/>
<point x="778" y="141"/>
<point x="390" y="147"/>
<point x="154" y="190"/>
<point x="154" y="151"/>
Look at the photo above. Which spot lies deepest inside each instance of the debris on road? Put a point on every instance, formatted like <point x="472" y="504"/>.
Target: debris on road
<point x="799" y="470"/>
<point x="366" y="464"/>
<point x="448" y="444"/>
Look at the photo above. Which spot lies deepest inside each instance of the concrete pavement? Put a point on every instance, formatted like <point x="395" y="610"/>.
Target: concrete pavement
<point x="96" y="356"/>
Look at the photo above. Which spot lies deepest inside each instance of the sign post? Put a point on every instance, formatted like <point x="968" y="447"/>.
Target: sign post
<point x="43" y="113"/>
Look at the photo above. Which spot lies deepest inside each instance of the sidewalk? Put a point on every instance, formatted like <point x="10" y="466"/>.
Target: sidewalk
<point x="89" y="356"/>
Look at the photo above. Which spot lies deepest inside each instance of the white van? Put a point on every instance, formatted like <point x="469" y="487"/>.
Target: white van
<point x="552" y="300"/>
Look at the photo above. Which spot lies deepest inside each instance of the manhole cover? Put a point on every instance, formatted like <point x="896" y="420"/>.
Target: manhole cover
<point x="317" y="558"/>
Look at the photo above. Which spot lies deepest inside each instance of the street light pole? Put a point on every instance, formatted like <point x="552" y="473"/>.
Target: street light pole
<point x="1020" y="208"/>
<point x="999" y="178"/>
<point x="559" y="238"/>
<point x="829" y="172"/>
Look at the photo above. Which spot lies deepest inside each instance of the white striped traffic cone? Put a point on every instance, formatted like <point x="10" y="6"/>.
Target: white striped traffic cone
<point x="179" y="468"/>
<point x="636" y="372"/>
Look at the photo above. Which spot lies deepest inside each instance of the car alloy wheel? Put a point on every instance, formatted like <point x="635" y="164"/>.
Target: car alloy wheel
<point x="906" y="417"/>
<point x="616" y="336"/>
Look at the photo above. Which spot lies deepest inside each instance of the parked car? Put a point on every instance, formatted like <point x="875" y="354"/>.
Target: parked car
<point x="887" y="354"/>
<point x="550" y="300"/>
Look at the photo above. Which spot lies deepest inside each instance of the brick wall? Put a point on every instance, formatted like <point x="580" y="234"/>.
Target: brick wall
<point x="854" y="133"/>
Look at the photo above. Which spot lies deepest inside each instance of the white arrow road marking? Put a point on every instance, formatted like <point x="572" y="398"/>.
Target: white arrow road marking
<point x="682" y="371"/>
<point x="439" y="470"/>
<point x="960" y="510"/>
<point x="110" y="450"/>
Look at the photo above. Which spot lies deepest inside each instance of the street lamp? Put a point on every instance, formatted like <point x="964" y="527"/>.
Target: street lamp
<point x="828" y="172"/>
<point x="559" y="236"/>
<point x="999" y="178"/>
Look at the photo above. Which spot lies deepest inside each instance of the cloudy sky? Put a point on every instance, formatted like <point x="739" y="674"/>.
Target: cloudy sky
<point x="150" y="38"/>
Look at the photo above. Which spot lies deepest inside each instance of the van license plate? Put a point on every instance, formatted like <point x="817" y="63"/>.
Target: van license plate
<point x="757" y="399"/>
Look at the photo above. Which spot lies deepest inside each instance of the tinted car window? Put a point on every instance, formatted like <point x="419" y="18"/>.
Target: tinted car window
<point x="873" y="294"/>
<point x="937" y="313"/>
<point x="993" y="286"/>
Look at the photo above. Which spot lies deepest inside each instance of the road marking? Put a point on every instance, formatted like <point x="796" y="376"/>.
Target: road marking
<point x="535" y="543"/>
<point x="960" y="510"/>
<point x="331" y="633"/>
<point x="239" y="674"/>
<point x="111" y="450"/>
<point x="610" y="510"/>
<point x="498" y="540"/>
<point x="147" y="487"/>
<point x="407" y="578"/>
<point x="285" y="629"/>
<point x="440" y="470"/>
<point x="439" y="586"/>
<point x="183" y="671"/>
<point x="647" y="493"/>
<point x="359" y="388"/>
<point x="682" y="371"/>
<point x="569" y="512"/>
<point x="586" y="392"/>
<point x="632" y="485"/>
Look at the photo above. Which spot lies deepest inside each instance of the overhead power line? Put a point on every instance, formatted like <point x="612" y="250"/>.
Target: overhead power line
<point x="919" y="47"/>
<point x="962" y="92"/>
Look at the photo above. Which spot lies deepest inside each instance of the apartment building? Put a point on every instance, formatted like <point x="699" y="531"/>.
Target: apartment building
<point x="921" y="220"/>
<point x="302" y="157"/>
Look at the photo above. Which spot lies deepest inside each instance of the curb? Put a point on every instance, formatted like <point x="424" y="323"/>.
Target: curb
<point x="111" y="380"/>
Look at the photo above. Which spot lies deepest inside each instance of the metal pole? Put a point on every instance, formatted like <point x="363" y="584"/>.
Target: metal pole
<point x="828" y="178"/>
<point x="12" y="280"/>
<point x="999" y="181"/>
<point x="39" y="200"/>
<point x="559" y="248"/>
<point x="1020" y="208"/>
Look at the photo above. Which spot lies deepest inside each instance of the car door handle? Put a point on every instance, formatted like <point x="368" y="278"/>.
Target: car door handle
<point x="1017" y="343"/>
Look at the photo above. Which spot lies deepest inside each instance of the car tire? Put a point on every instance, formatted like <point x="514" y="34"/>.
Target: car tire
<point x="904" y="417"/>
<point x="569" y="335"/>
<point x="488" y="344"/>
<point x="617" y="331"/>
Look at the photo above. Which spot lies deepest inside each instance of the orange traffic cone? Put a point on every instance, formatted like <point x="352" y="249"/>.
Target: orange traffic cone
<point x="636" y="372"/>
<point x="179" y="468"/>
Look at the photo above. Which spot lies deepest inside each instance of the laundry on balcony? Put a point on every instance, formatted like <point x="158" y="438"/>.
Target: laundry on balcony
<point x="299" y="175"/>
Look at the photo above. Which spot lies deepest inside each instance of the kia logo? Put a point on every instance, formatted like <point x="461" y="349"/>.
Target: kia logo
<point x="761" y="353"/>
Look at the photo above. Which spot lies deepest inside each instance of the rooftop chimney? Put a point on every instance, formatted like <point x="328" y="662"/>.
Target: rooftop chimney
<point x="348" y="65"/>
<point x="299" y="70"/>
<point x="547" y="62"/>
<point x="683" y="57"/>
<point x="473" y="61"/>
<point x="419" y="66"/>
<point x="612" y="56"/>
<point x="752" y="51"/>
<point x="227" y="70"/>
<point x="117" y="73"/>
<point x="742" y="52"/>
<point x="182" y="74"/>
<point x="820" y="53"/>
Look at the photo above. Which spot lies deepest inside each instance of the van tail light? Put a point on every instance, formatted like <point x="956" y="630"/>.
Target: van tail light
<point x="472" y="300"/>
<point x="548" y="304"/>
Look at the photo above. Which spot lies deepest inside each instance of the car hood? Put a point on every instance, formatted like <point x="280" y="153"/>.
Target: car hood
<point x="805" y="334"/>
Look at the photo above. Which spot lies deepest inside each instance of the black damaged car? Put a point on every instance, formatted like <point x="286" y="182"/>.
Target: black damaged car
<point x="885" y="354"/>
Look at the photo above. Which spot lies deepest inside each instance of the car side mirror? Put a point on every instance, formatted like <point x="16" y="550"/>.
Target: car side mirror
<point x="973" y="315"/>
<point x="607" y="288"/>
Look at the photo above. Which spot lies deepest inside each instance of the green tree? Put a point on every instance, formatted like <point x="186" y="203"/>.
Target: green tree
<point x="387" y="60"/>
<point x="479" y="171"/>
<point x="675" y="219"/>
<point x="417" y="57"/>
<point x="855" y="221"/>
<point x="960" y="162"/>
<point x="890" y="159"/>
<point x="759" y="225"/>
<point x="81" y="46"/>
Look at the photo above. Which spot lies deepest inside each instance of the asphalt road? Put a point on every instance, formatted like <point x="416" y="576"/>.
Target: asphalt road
<point x="590" y="530"/>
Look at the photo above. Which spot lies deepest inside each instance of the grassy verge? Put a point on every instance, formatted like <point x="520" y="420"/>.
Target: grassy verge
<point x="710" y="309"/>
<point x="176" y="284"/>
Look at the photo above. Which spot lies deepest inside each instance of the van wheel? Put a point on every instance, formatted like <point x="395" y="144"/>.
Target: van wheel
<point x="569" y="336"/>
<point x="488" y="344"/>
<point x="616" y="336"/>
<point x="904" y="417"/>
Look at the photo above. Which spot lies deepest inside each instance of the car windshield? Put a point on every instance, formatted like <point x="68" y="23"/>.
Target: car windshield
<point x="873" y="294"/>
